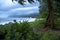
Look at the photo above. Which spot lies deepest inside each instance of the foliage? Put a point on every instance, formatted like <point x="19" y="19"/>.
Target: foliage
<point x="17" y="31"/>
<point x="25" y="31"/>
<point x="49" y="35"/>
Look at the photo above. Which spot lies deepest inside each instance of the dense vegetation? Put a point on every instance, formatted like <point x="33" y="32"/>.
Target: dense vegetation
<point x="27" y="31"/>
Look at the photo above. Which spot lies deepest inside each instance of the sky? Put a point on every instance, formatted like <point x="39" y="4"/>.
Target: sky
<point x="8" y="8"/>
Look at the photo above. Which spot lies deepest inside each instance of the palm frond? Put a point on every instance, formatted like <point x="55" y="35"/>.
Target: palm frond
<point x="22" y="1"/>
<point x="30" y="1"/>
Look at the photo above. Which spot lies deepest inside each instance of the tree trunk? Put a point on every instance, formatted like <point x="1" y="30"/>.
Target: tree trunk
<point x="50" y="19"/>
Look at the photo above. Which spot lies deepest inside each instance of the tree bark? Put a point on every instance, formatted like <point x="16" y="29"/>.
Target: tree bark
<point x="50" y="19"/>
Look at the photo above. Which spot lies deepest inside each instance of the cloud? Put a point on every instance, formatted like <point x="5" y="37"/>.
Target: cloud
<point x="8" y="8"/>
<point x="8" y="4"/>
<point x="24" y="8"/>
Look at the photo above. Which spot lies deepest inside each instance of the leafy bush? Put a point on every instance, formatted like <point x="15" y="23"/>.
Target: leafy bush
<point x="25" y="31"/>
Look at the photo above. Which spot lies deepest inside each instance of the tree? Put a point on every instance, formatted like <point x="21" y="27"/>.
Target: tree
<point x="50" y="19"/>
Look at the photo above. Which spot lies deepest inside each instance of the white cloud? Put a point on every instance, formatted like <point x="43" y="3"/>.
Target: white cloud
<point x="18" y="11"/>
<point x="25" y="8"/>
<point x="9" y="4"/>
<point x="7" y="7"/>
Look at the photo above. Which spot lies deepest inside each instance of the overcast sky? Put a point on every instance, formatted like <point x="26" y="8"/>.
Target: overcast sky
<point x="8" y="8"/>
